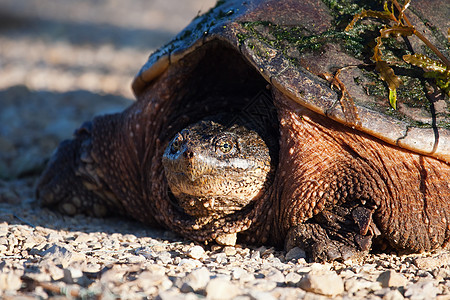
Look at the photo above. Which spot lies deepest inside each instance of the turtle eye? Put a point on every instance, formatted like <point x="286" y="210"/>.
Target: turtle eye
<point x="176" y="144"/>
<point x="224" y="145"/>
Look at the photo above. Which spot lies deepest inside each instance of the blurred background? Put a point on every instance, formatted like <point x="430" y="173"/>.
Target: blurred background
<point x="62" y="45"/>
<point x="64" y="61"/>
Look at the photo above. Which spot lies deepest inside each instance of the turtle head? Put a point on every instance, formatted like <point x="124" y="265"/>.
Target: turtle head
<point x="213" y="169"/>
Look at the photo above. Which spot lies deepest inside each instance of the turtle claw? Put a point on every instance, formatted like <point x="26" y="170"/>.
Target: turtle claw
<point x="317" y="244"/>
<point x="331" y="238"/>
<point x="330" y="250"/>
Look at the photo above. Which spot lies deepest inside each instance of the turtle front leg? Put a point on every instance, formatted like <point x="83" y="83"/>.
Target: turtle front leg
<point x="340" y="234"/>
<point x="72" y="180"/>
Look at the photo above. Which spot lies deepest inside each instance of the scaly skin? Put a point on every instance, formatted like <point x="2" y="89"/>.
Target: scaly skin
<point x="325" y="166"/>
<point x="335" y="190"/>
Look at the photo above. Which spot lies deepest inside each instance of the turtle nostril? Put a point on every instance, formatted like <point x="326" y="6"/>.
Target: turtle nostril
<point x="188" y="154"/>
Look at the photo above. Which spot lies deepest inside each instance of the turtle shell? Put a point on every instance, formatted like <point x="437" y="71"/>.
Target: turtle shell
<point x="291" y="43"/>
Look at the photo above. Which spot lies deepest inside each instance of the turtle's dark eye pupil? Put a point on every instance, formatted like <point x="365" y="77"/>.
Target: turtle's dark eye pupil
<point x="224" y="146"/>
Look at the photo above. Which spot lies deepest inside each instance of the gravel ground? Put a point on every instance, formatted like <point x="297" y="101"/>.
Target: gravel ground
<point x="61" y="63"/>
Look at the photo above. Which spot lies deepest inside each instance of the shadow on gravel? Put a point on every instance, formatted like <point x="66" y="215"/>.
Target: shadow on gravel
<point x="33" y="123"/>
<point x="18" y="206"/>
<point x="30" y="213"/>
<point x="82" y="33"/>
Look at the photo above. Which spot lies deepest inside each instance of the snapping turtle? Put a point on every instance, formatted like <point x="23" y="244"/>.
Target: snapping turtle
<point x="234" y="135"/>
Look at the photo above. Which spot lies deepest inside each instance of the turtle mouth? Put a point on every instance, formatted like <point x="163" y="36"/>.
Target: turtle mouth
<point x="190" y="178"/>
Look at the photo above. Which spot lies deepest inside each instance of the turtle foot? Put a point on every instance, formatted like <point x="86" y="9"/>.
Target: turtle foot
<point x="331" y="236"/>
<point x="68" y="184"/>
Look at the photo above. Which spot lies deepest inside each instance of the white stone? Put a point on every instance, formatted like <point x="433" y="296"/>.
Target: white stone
<point x="196" y="280"/>
<point x="393" y="295"/>
<point x="58" y="255"/>
<point x="164" y="257"/>
<point x="242" y="275"/>
<point x="220" y="258"/>
<point x="196" y="252"/>
<point x="220" y="289"/>
<point x="355" y="284"/>
<point x="149" y="279"/>
<point x="262" y="285"/>
<point x="68" y="278"/>
<point x="258" y="295"/>
<point x="430" y="263"/>
<point x="227" y="239"/>
<point x="189" y="263"/>
<point x="391" y="278"/>
<point x="275" y="275"/>
<point x="292" y="279"/>
<point x="424" y="289"/>
<point x="10" y="282"/>
<point x="328" y="284"/>
<point x="237" y="273"/>
<point x="229" y="250"/>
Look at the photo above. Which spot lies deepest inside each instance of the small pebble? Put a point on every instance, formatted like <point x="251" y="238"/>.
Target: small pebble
<point x="355" y="284"/>
<point x="261" y="285"/>
<point x="196" y="280"/>
<point x="292" y="279"/>
<point x="229" y="251"/>
<point x="10" y="282"/>
<point x="391" y="278"/>
<point x="196" y="252"/>
<point x="258" y="295"/>
<point x="328" y="284"/>
<point x="295" y="253"/>
<point x="58" y="255"/>
<point x="393" y="295"/>
<point x="421" y="290"/>
<point x="429" y="263"/>
<point x="238" y="273"/>
<point x="189" y="263"/>
<point x="275" y="275"/>
<point x="220" y="289"/>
